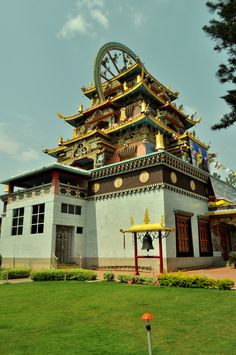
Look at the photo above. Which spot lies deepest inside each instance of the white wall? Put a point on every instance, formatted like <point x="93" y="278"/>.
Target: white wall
<point x="176" y="201"/>
<point x="114" y="213"/>
<point x="27" y="245"/>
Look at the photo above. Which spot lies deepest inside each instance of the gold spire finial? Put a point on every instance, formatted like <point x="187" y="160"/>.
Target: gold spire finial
<point x="90" y="85"/>
<point x="146" y="217"/>
<point x="60" y="140"/>
<point x="60" y="115"/>
<point x="163" y="220"/>
<point x="7" y="188"/>
<point x="132" y="221"/>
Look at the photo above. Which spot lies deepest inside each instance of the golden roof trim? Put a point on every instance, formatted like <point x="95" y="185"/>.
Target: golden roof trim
<point x="55" y="150"/>
<point x="113" y="79"/>
<point x="218" y="213"/>
<point x="187" y="134"/>
<point x="128" y="91"/>
<point x="138" y="118"/>
<point x="148" y="228"/>
<point x="78" y="115"/>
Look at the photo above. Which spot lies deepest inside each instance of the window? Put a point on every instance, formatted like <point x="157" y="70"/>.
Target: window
<point x="184" y="234"/>
<point x="79" y="230"/>
<point x="17" y="221"/>
<point x="37" y="225"/>
<point x="205" y="245"/>
<point x="71" y="209"/>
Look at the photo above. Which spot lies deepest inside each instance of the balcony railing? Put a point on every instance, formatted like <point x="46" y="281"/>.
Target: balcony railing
<point x="31" y="192"/>
<point x="72" y="191"/>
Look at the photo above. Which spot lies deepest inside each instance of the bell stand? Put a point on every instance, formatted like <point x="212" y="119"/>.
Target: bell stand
<point x="136" y="256"/>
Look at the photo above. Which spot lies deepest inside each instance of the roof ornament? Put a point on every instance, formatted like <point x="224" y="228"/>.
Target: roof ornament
<point x="146" y="217"/>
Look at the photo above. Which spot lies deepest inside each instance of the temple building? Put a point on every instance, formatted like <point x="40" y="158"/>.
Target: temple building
<point x="131" y="149"/>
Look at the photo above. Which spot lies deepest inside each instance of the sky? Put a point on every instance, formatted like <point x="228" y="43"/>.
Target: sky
<point x="47" y="54"/>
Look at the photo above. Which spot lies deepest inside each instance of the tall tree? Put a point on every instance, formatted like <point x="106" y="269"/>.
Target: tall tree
<point x="223" y="31"/>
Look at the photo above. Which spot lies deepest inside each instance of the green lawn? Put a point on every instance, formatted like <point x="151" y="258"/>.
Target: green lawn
<point x="104" y="318"/>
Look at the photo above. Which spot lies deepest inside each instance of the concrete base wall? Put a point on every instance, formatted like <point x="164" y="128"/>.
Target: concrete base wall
<point x="34" y="263"/>
<point x="174" y="264"/>
<point x="116" y="263"/>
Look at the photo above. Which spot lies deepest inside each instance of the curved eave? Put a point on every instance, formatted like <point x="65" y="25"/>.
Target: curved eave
<point x="187" y="135"/>
<point x="140" y="119"/>
<point x="135" y="68"/>
<point x="222" y="213"/>
<point x="178" y="112"/>
<point x="155" y="227"/>
<point x="86" y="135"/>
<point x="73" y="120"/>
<point x="136" y="88"/>
<point x="55" y="152"/>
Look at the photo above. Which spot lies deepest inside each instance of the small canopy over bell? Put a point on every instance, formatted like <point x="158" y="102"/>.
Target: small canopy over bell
<point x="147" y="242"/>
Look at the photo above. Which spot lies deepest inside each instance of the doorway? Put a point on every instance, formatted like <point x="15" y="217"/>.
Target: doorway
<point x="63" y="243"/>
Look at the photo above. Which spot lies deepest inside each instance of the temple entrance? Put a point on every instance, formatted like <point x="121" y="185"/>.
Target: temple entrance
<point x="63" y="243"/>
<point x="224" y="231"/>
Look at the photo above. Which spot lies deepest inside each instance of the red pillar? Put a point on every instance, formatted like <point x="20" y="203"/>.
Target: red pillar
<point x="10" y="191"/>
<point x="135" y="255"/>
<point x="55" y="182"/>
<point x="160" y="252"/>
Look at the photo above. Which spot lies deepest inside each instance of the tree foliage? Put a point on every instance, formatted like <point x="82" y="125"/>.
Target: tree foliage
<point x="223" y="31"/>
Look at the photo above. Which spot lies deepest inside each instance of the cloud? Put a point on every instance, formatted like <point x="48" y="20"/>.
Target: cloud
<point x="29" y="154"/>
<point x="74" y="25"/>
<point x="13" y="149"/>
<point x="90" y="4"/>
<point x="100" y="17"/>
<point x="138" y="19"/>
<point x="89" y="14"/>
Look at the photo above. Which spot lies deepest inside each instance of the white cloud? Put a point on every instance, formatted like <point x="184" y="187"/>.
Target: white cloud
<point x="100" y="17"/>
<point x="90" y="4"/>
<point x="29" y="154"/>
<point x="13" y="149"/>
<point x="91" y="14"/>
<point x="138" y="19"/>
<point x="74" y="25"/>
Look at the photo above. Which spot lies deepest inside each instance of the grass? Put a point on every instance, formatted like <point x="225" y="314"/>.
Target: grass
<point x="104" y="318"/>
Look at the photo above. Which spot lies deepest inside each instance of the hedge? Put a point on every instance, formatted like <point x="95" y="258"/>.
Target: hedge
<point x="109" y="276"/>
<point x="17" y="273"/>
<point x="179" y="280"/>
<point x="63" y="274"/>
<point x="140" y="280"/>
<point x="193" y="281"/>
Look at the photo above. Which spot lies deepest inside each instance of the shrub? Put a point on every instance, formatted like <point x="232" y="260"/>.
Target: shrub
<point x="109" y="276"/>
<point x="193" y="281"/>
<point x="124" y="278"/>
<point x="225" y="284"/>
<point x="139" y="280"/>
<point x="63" y="274"/>
<point x="232" y="259"/>
<point x="17" y="273"/>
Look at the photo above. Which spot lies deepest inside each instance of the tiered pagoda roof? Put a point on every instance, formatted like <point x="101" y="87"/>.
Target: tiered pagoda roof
<point x="128" y="108"/>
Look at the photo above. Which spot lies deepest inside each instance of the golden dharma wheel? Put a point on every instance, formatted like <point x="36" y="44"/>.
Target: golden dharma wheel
<point x="173" y="177"/>
<point x="144" y="177"/>
<point x="118" y="182"/>
<point x="96" y="187"/>
<point x="192" y="185"/>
